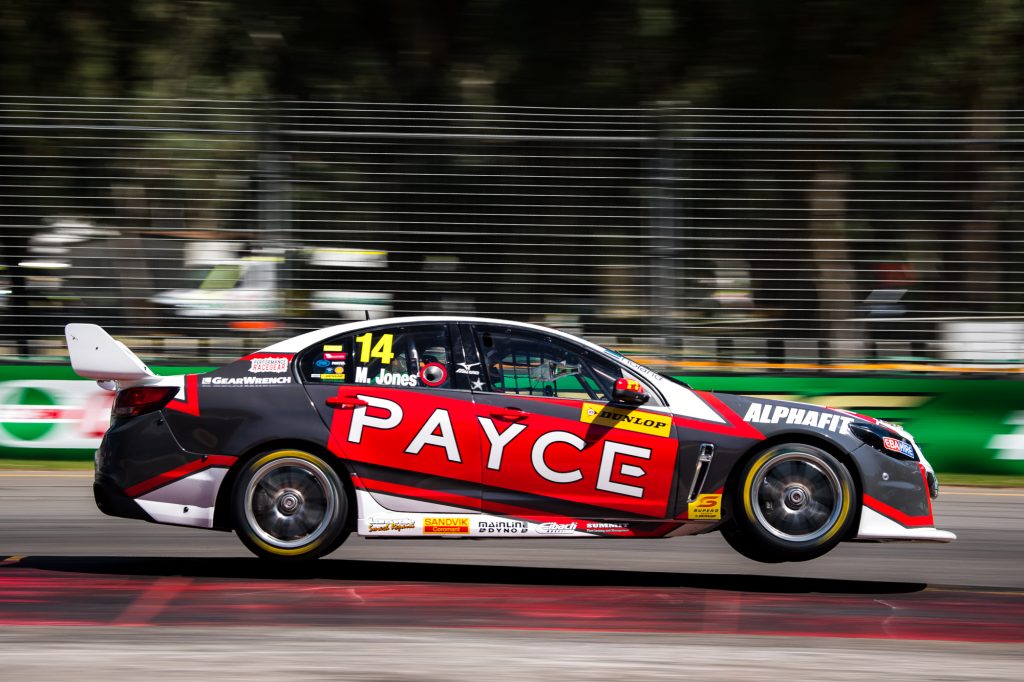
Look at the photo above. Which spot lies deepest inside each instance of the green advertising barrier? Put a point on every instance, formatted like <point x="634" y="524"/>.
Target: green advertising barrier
<point x="48" y="412"/>
<point x="963" y="425"/>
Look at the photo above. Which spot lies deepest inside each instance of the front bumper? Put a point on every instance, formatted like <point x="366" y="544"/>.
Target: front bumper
<point x="877" y="527"/>
<point x="896" y="500"/>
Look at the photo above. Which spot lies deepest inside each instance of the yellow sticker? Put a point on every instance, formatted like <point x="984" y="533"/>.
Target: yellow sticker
<point x="382" y="349"/>
<point x="335" y="377"/>
<point x="625" y="418"/>
<point x="706" y="507"/>
<point x="334" y="349"/>
<point x="446" y="525"/>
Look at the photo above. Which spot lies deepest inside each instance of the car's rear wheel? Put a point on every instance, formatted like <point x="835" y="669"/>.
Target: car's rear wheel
<point x="791" y="502"/>
<point x="289" y="505"/>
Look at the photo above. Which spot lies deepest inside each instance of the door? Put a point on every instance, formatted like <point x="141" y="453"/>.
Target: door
<point x="390" y="398"/>
<point x="552" y="441"/>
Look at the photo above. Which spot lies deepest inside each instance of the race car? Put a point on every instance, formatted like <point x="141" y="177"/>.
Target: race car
<point x="460" y="427"/>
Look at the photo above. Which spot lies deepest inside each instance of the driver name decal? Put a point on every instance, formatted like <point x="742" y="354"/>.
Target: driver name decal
<point x="385" y="378"/>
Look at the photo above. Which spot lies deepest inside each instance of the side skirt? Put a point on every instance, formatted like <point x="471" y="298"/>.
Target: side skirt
<point x="457" y="522"/>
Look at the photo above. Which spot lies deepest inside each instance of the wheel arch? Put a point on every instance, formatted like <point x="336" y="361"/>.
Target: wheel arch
<point x="222" y="515"/>
<point x="845" y="458"/>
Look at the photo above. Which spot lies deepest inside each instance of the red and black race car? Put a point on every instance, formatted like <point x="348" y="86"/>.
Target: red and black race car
<point x="479" y="428"/>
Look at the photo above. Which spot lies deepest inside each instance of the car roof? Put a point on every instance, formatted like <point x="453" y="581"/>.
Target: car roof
<point x="303" y="341"/>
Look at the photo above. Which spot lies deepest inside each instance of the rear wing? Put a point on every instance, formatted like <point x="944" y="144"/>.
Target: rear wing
<point x="95" y="354"/>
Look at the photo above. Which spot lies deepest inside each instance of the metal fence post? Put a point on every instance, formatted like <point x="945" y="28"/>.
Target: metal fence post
<point x="273" y="200"/>
<point x="662" y="281"/>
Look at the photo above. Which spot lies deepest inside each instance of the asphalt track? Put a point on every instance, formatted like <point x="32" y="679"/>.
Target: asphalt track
<point x="90" y="597"/>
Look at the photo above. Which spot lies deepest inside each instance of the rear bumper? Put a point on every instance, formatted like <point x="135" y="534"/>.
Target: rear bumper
<point x="113" y="502"/>
<point x="142" y="473"/>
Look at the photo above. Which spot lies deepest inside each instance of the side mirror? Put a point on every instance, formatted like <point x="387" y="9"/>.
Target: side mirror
<point x="629" y="391"/>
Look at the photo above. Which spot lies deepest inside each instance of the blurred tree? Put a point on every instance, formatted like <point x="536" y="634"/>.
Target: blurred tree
<point x="790" y="53"/>
<point x="708" y="53"/>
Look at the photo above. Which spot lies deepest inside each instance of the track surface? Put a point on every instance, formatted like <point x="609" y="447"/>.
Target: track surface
<point x="636" y="606"/>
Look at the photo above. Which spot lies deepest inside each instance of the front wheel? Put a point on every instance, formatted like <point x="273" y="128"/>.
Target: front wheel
<point x="792" y="502"/>
<point x="289" y="505"/>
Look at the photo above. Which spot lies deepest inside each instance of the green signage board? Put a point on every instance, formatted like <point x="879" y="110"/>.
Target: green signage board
<point x="49" y="412"/>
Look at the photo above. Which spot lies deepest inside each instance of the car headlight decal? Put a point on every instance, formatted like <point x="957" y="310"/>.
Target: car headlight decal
<point x="885" y="440"/>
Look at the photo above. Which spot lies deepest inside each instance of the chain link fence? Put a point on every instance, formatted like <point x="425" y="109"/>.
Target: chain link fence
<point x="703" y="239"/>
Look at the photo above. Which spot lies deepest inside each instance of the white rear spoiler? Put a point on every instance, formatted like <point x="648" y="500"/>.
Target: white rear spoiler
<point x="95" y="354"/>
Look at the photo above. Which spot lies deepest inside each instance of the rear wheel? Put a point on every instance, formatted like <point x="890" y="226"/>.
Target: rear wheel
<point x="290" y="505"/>
<point x="792" y="502"/>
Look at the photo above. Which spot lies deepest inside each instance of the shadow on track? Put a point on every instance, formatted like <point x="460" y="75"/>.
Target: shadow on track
<point x="405" y="572"/>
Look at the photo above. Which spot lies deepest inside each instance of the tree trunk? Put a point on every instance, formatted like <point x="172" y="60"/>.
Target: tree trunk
<point x="835" y="276"/>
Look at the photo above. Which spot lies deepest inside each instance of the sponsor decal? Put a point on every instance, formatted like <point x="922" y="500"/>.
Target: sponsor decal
<point x="553" y="528"/>
<point x="900" y="446"/>
<point x="332" y="377"/>
<point x="273" y="365"/>
<point x="335" y="356"/>
<point x="707" y="506"/>
<point x="334" y="349"/>
<point x="467" y="368"/>
<point x="245" y="381"/>
<point x="384" y="378"/>
<point x="627" y="419"/>
<point x="382" y="525"/>
<point x="510" y="527"/>
<point x="760" y="413"/>
<point x="323" y="362"/>
<point x="446" y="525"/>
<point x="604" y="527"/>
<point x="434" y="374"/>
<point x="403" y="430"/>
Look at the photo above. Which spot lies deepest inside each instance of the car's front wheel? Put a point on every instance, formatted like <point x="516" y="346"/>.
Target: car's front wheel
<point x="791" y="502"/>
<point x="289" y="505"/>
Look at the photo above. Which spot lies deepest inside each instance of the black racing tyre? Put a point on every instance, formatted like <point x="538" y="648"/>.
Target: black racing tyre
<point x="289" y="505"/>
<point x="791" y="502"/>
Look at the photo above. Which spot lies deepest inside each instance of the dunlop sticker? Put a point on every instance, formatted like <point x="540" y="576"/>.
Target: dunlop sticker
<point x="706" y="507"/>
<point x="445" y="525"/>
<point x="627" y="419"/>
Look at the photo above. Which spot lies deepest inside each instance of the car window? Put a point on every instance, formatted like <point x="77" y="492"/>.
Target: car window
<point x="400" y="357"/>
<point x="527" y="364"/>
